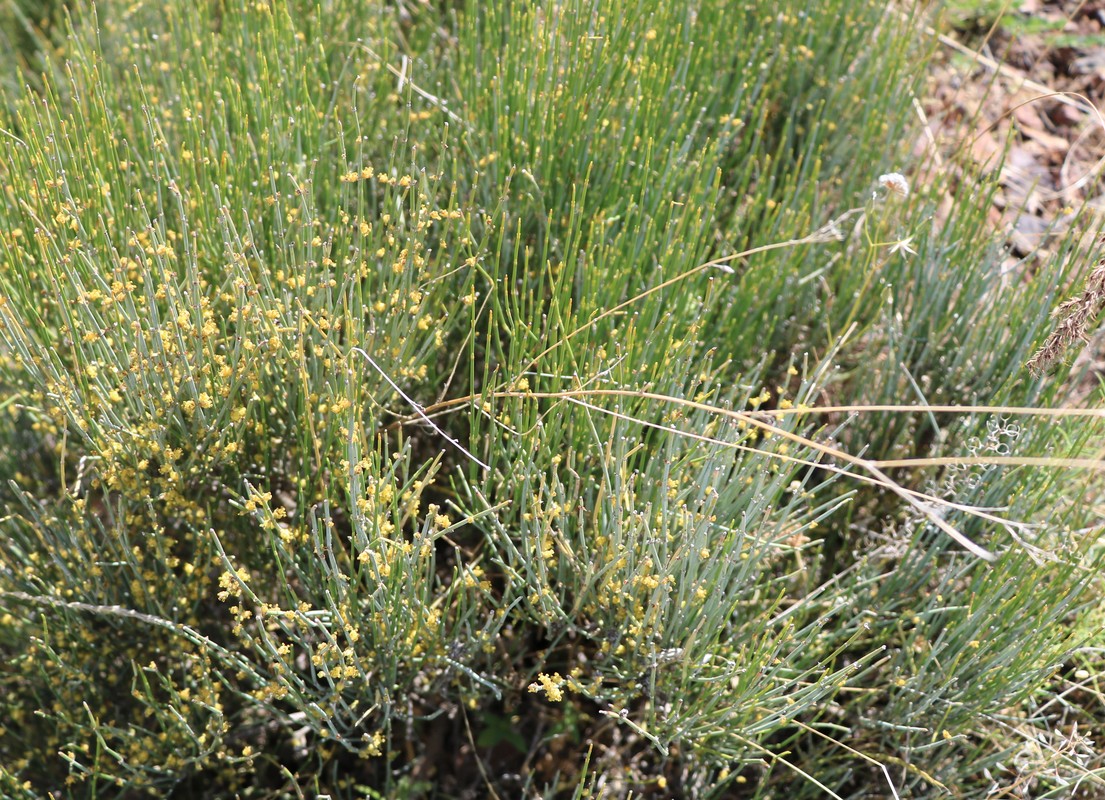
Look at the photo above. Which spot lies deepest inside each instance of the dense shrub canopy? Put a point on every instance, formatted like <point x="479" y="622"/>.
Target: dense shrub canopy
<point x="409" y="400"/>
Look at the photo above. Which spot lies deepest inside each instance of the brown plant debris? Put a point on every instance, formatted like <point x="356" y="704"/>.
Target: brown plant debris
<point x="1074" y="318"/>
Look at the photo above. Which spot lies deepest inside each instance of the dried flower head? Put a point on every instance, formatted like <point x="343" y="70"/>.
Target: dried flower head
<point x="895" y="183"/>
<point x="1073" y="319"/>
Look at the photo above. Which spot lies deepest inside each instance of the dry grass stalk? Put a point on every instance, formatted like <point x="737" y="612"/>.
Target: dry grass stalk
<point x="1074" y="318"/>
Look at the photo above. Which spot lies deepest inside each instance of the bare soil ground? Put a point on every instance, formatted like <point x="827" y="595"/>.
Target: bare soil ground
<point x="1025" y="78"/>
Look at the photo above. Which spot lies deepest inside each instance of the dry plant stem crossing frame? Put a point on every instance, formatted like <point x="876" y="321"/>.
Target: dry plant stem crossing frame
<point x="925" y="504"/>
<point x="974" y="511"/>
<point x="828" y="450"/>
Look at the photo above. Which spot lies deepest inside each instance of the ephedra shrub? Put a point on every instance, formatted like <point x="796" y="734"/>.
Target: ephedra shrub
<point x="408" y="400"/>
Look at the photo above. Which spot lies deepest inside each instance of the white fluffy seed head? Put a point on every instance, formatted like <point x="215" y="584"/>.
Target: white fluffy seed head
<point x="895" y="183"/>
